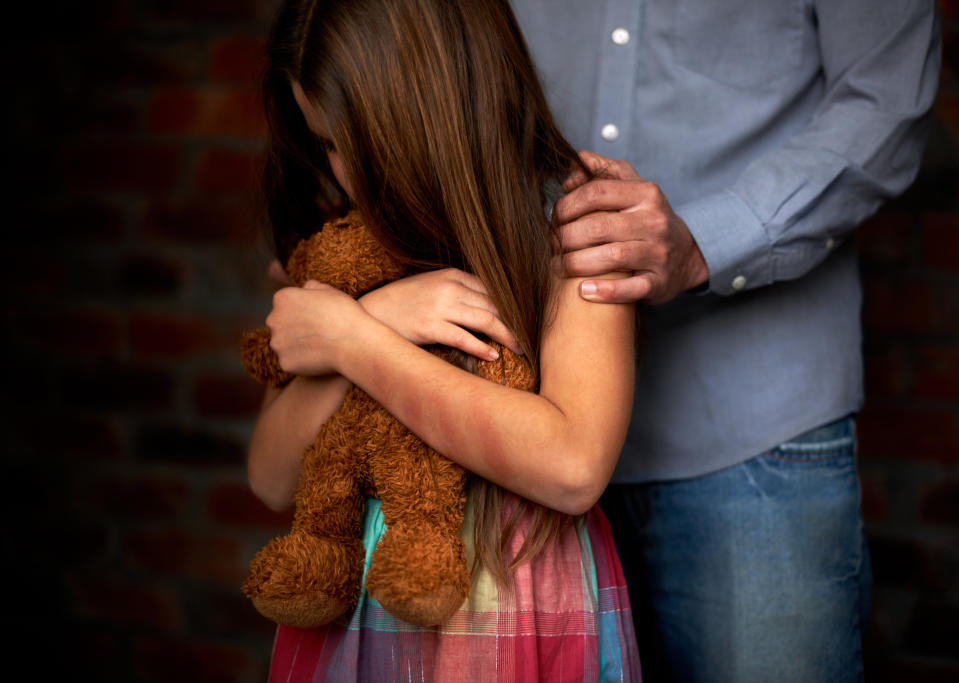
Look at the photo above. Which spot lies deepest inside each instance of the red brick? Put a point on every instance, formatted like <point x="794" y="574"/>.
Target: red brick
<point x="225" y="171"/>
<point x="121" y="167"/>
<point x="238" y="58"/>
<point x="235" y="504"/>
<point x="885" y="238"/>
<point x="180" y="553"/>
<point x="75" y="333"/>
<point x="936" y="373"/>
<point x="947" y="111"/>
<point x="141" y="497"/>
<point x="203" y="222"/>
<point x="910" y="304"/>
<point x="171" y="335"/>
<point x="940" y="240"/>
<point x="125" y="602"/>
<point x="211" y="110"/>
<point x="939" y="503"/>
<point x="175" y="334"/>
<point x="886" y="306"/>
<point x="886" y="371"/>
<point x="227" y="395"/>
<point x="909" y="433"/>
<point x="950" y="10"/>
<point x="160" y="660"/>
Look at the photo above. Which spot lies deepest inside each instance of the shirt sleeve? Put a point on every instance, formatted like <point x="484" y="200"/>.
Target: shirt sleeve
<point x="792" y="206"/>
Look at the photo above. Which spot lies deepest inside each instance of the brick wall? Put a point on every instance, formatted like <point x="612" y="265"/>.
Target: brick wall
<point x="909" y="430"/>
<point x="136" y="262"/>
<point x="133" y="261"/>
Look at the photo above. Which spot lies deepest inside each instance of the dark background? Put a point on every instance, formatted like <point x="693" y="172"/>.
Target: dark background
<point x="133" y="262"/>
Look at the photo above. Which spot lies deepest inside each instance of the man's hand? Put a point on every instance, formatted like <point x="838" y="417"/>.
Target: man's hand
<point x="619" y="222"/>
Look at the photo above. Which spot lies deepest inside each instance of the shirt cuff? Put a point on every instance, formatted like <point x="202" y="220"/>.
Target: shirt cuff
<point x="732" y="240"/>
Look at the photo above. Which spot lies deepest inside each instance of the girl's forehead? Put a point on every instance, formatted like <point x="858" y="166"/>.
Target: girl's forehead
<point x="313" y="118"/>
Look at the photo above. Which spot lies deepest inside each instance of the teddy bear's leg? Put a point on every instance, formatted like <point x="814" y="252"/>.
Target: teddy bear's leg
<point x="312" y="575"/>
<point x="419" y="572"/>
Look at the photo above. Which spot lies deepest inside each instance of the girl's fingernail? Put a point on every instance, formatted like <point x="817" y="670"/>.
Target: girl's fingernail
<point x="588" y="289"/>
<point x="493" y="355"/>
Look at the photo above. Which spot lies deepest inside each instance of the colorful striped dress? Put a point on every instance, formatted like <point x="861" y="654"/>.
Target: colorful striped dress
<point x="566" y="618"/>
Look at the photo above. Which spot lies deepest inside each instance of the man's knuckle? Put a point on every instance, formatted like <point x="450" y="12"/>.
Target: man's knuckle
<point x="594" y="192"/>
<point x="615" y="252"/>
<point x="658" y="224"/>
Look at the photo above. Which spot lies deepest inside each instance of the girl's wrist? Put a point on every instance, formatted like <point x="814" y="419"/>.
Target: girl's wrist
<point x="362" y="341"/>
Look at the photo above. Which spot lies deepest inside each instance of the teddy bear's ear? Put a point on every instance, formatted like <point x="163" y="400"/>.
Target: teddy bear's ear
<point x="260" y="360"/>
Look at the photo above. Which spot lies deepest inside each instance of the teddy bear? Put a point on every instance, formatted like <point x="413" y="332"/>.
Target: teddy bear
<point x="418" y="571"/>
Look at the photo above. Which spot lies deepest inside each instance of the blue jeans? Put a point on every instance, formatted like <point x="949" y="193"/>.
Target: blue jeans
<point x="758" y="572"/>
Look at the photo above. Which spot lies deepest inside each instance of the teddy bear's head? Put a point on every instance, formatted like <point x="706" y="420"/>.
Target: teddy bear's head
<point x="345" y="255"/>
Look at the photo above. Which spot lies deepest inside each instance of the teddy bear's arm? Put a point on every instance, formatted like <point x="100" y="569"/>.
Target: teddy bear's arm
<point x="260" y="360"/>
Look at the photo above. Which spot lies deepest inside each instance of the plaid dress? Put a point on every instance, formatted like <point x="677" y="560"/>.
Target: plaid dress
<point x="566" y="618"/>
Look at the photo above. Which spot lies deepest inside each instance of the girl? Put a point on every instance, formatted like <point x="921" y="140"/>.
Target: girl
<point x="427" y="118"/>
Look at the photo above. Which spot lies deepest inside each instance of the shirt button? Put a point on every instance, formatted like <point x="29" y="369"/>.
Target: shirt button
<point x="738" y="282"/>
<point x="620" y="36"/>
<point x="610" y="132"/>
<point x="830" y="243"/>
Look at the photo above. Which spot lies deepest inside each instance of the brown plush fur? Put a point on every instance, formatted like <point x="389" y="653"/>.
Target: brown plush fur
<point x="418" y="571"/>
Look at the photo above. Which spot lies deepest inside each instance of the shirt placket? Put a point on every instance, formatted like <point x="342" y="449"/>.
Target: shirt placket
<point x="613" y="116"/>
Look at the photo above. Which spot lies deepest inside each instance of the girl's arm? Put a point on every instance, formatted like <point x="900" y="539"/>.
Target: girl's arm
<point x="288" y="422"/>
<point x="434" y="307"/>
<point x="557" y="447"/>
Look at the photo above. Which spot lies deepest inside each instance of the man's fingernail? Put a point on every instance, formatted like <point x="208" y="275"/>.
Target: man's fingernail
<point x="588" y="289"/>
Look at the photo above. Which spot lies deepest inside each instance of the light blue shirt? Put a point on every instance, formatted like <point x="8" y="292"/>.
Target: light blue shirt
<point x="774" y="127"/>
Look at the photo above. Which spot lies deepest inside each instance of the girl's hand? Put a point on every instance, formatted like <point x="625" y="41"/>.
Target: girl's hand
<point x="309" y="325"/>
<point x="441" y="307"/>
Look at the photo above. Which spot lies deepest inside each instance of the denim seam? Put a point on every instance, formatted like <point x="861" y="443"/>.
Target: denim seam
<point x="832" y="444"/>
<point x="810" y="457"/>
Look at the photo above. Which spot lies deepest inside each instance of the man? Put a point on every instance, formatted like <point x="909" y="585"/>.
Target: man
<point x="755" y="135"/>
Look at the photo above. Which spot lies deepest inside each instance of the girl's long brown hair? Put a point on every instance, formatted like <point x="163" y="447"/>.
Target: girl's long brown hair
<point x="449" y="146"/>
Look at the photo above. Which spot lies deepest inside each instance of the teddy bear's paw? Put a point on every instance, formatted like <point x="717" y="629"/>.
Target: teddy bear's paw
<point x="302" y="611"/>
<point x="419" y="574"/>
<point x="303" y="581"/>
